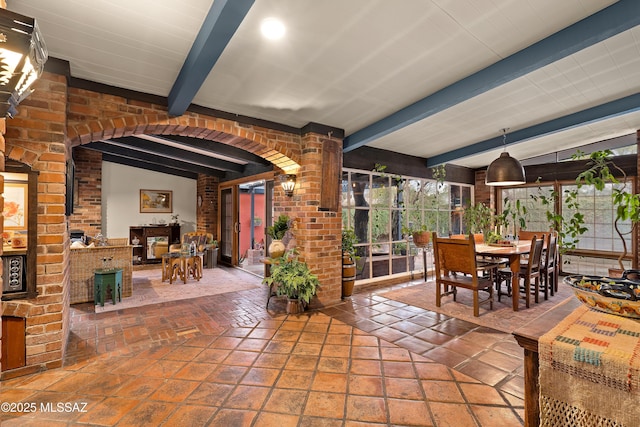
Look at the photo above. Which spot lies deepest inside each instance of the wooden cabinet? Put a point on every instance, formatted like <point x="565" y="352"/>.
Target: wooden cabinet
<point x="151" y="241"/>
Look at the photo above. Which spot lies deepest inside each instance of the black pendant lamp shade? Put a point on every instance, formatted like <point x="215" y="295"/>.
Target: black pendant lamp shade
<point x="505" y="170"/>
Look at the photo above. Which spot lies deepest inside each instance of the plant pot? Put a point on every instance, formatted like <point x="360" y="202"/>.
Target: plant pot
<point x="422" y="238"/>
<point x="294" y="306"/>
<point x="348" y="275"/>
<point x="276" y="249"/>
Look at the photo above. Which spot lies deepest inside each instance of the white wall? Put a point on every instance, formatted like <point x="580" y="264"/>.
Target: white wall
<point x="121" y="187"/>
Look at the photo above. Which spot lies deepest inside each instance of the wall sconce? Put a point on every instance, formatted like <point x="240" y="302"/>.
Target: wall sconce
<point x="505" y="170"/>
<point x="22" y="57"/>
<point x="288" y="183"/>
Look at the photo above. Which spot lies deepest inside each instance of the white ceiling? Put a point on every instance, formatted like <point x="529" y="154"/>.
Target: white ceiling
<point x="349" y="64"/>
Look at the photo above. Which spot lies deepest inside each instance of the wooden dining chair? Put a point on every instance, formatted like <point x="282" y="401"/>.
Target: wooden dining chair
<point x="549" y="269"/>
<point x="456" y="267"/>
<point x="530" y="273"/>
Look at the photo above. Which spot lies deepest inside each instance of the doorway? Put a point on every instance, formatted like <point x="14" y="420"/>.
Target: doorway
<point x="245" y="212"/>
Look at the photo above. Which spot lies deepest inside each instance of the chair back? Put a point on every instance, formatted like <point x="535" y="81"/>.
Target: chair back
<point x="552" y="251"/>
<point x="454" y="255"/>
<point x="478" y="237"/>
<point x="535" y="257"/>
<point x="529" y="234"/>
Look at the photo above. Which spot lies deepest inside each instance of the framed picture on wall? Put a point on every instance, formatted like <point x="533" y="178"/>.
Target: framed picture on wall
<point x="15" y="205"/>
<point x="156" y="201"/>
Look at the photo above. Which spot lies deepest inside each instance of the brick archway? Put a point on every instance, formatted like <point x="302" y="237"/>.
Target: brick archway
<point x="280" y="148"/>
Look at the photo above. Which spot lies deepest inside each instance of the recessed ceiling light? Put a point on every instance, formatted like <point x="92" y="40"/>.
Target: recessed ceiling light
<point x="272" y="28"/>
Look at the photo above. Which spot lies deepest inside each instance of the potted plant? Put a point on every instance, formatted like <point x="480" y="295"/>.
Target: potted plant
<point x="276" y="232"/>
<point x="349" y="239"/>
<point x="601" y="171"/>
<point x="292" y="278"/>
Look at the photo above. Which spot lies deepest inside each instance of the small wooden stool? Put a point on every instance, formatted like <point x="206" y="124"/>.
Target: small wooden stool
<point x="111" y="278"/>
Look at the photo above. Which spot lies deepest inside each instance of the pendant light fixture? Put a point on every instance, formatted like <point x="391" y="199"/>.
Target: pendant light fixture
<point x="505" y="170"/>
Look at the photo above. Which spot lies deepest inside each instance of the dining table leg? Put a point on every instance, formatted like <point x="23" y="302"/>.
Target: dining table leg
<point x="514" y="264"/>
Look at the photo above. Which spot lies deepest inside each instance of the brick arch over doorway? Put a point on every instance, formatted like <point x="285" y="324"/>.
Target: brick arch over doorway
<point x="279" y="148"/>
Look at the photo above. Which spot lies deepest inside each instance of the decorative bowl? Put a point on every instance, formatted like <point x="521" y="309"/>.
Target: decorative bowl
<point x="610" y="295"/>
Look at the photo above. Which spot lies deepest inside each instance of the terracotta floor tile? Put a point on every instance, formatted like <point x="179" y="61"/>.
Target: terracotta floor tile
<point x="227" y="374"/>
<point x="212" y="355"/>
<point x="195" y="371"/>
<point x="252" y="344"/>
<point x="491" y="416"/>
<point x="408" y="412"/>
<point x="485" y="373"/>
<point x="481" y="394"/>
<point x="500" y="360"/>
<point x="271" y="360"/>
<point x="247" y="397"/>
<point x="325" y="405"/>
<point x="240" y="358"/>
<point x="329" y="382"/>
<point x="302" y="362"/>
<point x="174" y="390"/>
<point x="210" y="394"/>
<point x="451" y="414"/>
<point x="442" y="391"/>
<point x="140" y="388"/>
<point x="147" y="413"/>
<point x="333" y="364"/>
<point x="286" y="401"/>
<point x="403" y="388"/>
<point x="183" y="353"/>
<point x="267" y="419"/>
<point x="234" y="417"/>
<point x="398" y="369"/>
<point x="366" y="385"/>
<point x="109" y="411"/>
<point x="365" y="353"/>
<point x="191" y="415"/>
<point x="295" y="379"/>
<point x="163" y="368"/>
<point x="366" y="367"/>
<point x="363" y="408"/>
<point x="261" y="377"/>
<point x="446" y="357"/>
<point x="206" y="361"/>
<point x="307" y="349"/>
<point x="335" y="350"/>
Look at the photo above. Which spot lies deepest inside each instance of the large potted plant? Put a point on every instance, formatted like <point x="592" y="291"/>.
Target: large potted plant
<point x="602" y="171"/>
<point x="349" y="239"/>
<point x="276" y="232"/>
<point x="292" y="277"/>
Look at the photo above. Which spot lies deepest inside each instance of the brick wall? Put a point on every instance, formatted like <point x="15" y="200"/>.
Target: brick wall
<point x="207" y="213"/>
<point x="36" y="137"/>
<point x="87" y="215"/>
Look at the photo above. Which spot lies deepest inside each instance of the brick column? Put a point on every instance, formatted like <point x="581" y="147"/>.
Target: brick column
<point x="3" y="124"/>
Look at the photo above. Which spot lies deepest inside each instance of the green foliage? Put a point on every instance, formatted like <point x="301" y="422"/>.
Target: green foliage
<point x="478" y="218"/>
<point x="349" y="239"/>
<point x="292" y="278"/>
<point x="569" y="228"/>
<point x="600" y="172"/>
<point x="513" y="215"/>
<point x="279" y="228"/>
<point x="431" y="218"/>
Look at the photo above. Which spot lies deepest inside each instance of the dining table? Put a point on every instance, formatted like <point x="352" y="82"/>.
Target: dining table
<point x="513" y="252"/>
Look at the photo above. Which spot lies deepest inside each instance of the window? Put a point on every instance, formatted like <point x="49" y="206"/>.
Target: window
<point x="378" y="206"/>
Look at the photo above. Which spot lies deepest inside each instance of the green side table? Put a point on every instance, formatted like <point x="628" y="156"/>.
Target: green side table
<point x="107" y="278"/>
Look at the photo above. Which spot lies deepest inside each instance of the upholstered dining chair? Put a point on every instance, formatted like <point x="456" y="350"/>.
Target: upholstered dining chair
<point x="456" y="267"/>
<point x="530" y="273"/>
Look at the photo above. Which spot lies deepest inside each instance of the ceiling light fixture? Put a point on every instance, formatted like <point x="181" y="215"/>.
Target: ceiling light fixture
<point x="505" y="170"/>
<point x="288" y="183"/>
<point x="22" y="57"/>
<point x="272" y="28"/>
